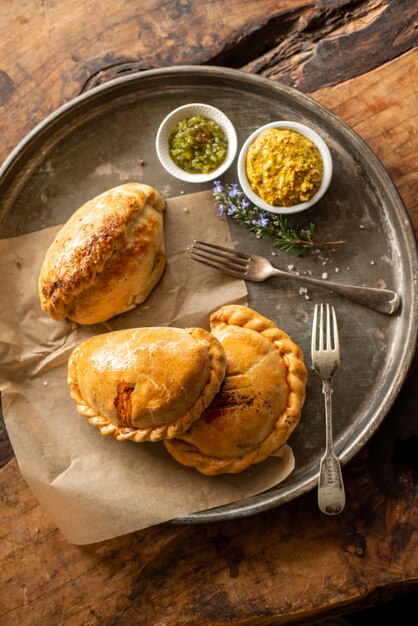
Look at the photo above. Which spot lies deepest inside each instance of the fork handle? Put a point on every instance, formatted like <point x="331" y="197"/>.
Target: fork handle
<point x="382" y="300"/>
<point x="331" y="494"/>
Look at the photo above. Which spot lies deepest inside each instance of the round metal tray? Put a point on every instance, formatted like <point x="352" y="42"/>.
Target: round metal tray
<point x="107" y="136"/>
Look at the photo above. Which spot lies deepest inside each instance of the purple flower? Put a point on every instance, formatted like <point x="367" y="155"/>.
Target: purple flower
<point x="218" y="188"/>
<point x="262" y="221"/>
<point x="221" y="210"/>
<point x="245" y="203"/>
<point x="231" y="209"/>
<point x="234" y="191"/>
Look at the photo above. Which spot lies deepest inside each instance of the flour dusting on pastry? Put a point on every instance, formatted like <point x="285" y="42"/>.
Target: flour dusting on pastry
<point x="107" y="258"/>
<point x="146" y="383"/>
<point x="221" y="401"/>
<point x="259" y="403"/>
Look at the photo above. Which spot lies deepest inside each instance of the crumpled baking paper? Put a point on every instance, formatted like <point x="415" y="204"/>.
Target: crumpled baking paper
<point x="95" y="488"/>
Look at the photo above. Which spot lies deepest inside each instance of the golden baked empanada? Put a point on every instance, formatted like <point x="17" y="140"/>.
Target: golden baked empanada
<point x="146" y="383"/>
<point x="107" y="258"/>
<point x="259" y="403"/>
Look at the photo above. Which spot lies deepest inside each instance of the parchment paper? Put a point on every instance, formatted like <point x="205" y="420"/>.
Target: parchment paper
<point x="94" y="487"/>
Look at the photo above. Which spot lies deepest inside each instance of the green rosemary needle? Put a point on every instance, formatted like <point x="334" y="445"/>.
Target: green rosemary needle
<point x="233" y="203"/>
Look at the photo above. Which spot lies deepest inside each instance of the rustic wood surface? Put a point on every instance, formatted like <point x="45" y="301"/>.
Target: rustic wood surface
<point x="291" y="564"/>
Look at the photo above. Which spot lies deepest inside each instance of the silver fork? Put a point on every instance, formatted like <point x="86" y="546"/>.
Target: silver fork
<point x="257" y="268"/>
<point x="325" y="352"/>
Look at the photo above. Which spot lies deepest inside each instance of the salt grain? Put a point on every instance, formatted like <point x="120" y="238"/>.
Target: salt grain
<point x="324" y="275"/>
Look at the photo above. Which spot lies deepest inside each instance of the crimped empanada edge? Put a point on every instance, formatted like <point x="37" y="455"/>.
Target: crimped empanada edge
<point x="244" y="317"/>
<point x="165" y="431"/>
<point x="57" y="305"/>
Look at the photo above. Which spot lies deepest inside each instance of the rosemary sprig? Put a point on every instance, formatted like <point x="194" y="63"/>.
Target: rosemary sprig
<point x="233" y="203"/>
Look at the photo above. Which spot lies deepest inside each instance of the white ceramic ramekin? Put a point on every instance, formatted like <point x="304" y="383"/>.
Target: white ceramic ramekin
<point x="177" y="116"/>
<point x="306" y="132"/>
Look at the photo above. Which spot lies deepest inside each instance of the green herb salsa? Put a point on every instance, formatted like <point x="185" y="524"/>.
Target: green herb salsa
<point x="198" y="145"/>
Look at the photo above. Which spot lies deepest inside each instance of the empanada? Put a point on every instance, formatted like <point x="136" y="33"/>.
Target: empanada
<point x="146" y="383"/>
<point x="107" y="258"/>
<point x="259" y="403"/>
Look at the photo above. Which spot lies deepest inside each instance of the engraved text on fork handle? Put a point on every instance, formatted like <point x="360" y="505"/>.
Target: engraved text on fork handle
<point x="331" y="494"/>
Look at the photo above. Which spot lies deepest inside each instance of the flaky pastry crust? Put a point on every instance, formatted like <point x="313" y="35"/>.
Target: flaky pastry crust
<point x="259" y="403"/>
<point x="146" y="383"/>
<point x="107" y="258"/>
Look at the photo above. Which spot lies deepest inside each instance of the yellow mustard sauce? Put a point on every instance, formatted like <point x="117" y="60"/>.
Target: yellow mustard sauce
<point x="284" y="167"/>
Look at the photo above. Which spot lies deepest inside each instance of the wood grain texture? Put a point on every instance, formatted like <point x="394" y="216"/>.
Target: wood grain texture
<point x="291" y="564"/>
<point x="334" y="41"/>
<point x="280" y="567"/>
<point x="309" y="44"/>
<point x="381" y="106"/>
<point x="52" y="51"/>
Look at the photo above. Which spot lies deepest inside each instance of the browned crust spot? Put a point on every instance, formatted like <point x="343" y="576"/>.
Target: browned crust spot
<point x="130" y="433"/>
<point x="123" y="403"/>
<point x="95" y="248"/>
<point x="236" y="315"/>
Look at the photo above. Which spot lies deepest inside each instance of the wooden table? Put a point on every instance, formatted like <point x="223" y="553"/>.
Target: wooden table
<point x="291" y="564"/>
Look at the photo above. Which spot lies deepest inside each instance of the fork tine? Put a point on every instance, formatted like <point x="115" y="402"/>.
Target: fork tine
<point x="328" y="335"/>
<point x="335" y="328"/>
<point x="225" y="262"/>
<point x="314" y="330"/>
<point x="321" y="327"/>
<point x="238" y="273"/>
<point x="205" y="246"/>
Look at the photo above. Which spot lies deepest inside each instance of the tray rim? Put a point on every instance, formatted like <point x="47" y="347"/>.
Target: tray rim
<point x="265" y="501"/>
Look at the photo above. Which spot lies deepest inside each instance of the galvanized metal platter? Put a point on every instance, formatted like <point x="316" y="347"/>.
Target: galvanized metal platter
<point x="107" y="136"/>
